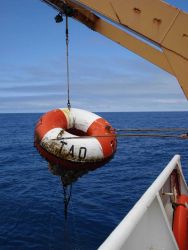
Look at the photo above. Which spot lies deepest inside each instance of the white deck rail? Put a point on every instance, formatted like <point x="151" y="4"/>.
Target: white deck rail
<point x="149" y="224"/>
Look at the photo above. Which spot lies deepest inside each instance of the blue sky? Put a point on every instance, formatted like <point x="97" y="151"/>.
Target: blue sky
<point x="104" y="76"/>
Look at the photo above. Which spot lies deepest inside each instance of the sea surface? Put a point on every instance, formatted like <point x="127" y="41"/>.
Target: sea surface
<point x="31" y="198"/>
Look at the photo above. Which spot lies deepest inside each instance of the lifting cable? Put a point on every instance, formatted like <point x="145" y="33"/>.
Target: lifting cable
<point x="67" y="63"/>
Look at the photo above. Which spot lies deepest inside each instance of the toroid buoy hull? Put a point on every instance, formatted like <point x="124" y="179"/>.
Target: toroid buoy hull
<point x="75" y="139"/>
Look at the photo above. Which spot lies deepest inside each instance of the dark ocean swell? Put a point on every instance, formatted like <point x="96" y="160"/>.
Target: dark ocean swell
<point x="31" y="198"/>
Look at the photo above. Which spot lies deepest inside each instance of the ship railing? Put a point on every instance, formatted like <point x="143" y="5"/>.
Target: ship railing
<point x="148" y="225"/>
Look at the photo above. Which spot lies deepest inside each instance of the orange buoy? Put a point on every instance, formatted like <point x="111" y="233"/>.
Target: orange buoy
<point x="75" y="139"/>
<point x="180" y="223"/>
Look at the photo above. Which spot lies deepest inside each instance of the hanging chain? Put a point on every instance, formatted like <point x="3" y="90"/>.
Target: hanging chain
<point x="67" y="62"/>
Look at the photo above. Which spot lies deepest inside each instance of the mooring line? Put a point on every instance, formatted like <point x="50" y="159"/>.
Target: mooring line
<point x="151" y="129"/>
<point x="122" y="135"/>
<point x="149" y="135"/>
<point x="67" y="192"/>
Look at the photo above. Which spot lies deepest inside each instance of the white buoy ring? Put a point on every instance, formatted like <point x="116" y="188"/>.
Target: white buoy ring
<point x="75" y="138"/>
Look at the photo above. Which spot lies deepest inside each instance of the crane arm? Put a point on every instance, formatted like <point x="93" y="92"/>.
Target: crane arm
<point x="152" y="29"/>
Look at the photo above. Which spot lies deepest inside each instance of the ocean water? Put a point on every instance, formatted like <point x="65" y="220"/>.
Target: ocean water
<point x="31" y="198"/>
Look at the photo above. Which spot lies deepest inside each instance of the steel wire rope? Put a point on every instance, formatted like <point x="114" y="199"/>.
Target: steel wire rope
<point x="121" y="135"/>
<point x="151" y="129"/>
<point x="67" y="62"/>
